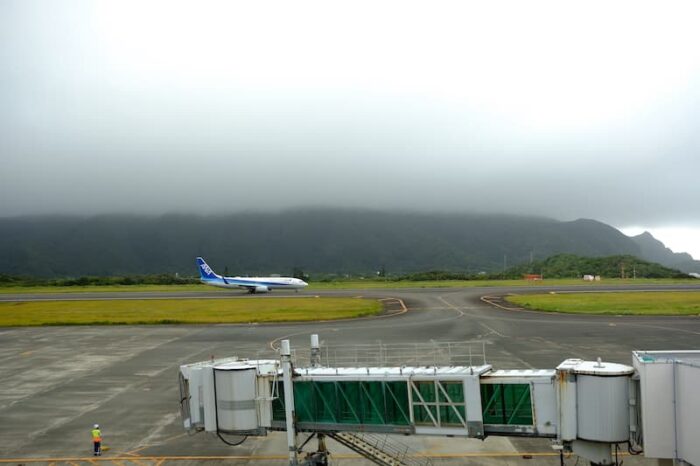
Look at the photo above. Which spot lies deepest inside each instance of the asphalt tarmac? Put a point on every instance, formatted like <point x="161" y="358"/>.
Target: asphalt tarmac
<point x="56" y="382"/>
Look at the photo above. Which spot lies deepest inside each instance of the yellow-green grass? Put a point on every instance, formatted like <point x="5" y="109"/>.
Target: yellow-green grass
<point x="104" y="288"/>
<point x="614" y="303"/>
<point x="183" y="311"/>
<point x="350" y="285"/>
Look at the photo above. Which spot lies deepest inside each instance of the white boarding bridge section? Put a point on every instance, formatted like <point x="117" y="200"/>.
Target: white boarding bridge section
<point x="585" y="407"/>
<point x="670" y="404"/>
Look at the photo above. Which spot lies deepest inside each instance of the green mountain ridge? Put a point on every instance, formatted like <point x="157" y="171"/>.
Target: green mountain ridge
<point x="655" y="251"/>
<point x="315" y="240"/>
<point x="571" y="266"/>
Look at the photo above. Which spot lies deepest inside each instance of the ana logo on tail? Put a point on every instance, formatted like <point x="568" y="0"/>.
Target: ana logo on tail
<point x="206" y="269"/>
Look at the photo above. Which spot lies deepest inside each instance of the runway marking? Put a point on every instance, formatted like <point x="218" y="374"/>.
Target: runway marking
<point x="462" y="314"/>
<point x="135" y="452"/>
<point x="451" y="306"/>
<point x="173" y="438"/>
<point x="672" y="329"/>
<point x="404" y="309"/>
<point x="151" y="438"/>
<point x="140" y="462"/>
<point x="492" y="330"/>
<point x="356" y="328"/>
<point x="403" y="305"/>
<point x="432" y="308"/>
<point x="487" y="299"/>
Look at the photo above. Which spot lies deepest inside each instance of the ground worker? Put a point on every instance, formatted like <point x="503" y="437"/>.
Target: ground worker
<point x="97" y="440"/>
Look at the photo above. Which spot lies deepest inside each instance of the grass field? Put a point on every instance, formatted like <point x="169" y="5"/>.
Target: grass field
<point x="350" y="285"/>
<point x="103" y="289"/>
<point x="623" y="303"/>
<point x="184" y="311"/>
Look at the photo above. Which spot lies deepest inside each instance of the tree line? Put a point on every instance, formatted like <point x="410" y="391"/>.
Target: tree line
<point x="557" y="266"/>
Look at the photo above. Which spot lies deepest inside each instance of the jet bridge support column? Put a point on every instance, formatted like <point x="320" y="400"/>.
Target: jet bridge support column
<point x="286" y="358"/>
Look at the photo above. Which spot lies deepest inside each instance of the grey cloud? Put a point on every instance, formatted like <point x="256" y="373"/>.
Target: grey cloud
<point x="79" y="135"/>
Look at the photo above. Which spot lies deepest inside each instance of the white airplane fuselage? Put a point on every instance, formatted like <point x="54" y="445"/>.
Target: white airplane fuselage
<point x="252" y="284"/>
<point x="271" y="283"/>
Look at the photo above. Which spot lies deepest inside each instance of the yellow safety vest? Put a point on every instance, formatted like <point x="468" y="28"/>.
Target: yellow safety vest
<point x="96" y="435"/>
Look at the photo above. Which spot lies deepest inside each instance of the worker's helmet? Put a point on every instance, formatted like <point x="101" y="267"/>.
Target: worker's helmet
<point x="97" y="426"/>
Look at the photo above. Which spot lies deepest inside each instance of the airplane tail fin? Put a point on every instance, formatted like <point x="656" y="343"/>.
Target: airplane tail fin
<point x="205" y="272"/>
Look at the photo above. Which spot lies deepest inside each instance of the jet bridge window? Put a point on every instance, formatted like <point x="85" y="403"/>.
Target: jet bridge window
<point x="508" y="404"/>
<point x="347" y="402"/>
<point x="438" y="403"/>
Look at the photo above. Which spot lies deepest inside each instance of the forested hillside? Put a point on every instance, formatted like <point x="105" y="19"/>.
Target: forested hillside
<point x="571" y="266"/>
<point x="314" y="240"/>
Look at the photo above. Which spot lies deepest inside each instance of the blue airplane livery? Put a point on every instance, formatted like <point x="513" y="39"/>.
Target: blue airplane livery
<point x="252" y="284"/>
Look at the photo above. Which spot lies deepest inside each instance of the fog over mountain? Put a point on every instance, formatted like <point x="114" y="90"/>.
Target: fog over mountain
<point x="317" y="241"/>
<point x="538" y="108"/>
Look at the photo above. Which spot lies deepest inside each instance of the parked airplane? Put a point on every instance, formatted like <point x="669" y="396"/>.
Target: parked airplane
<point x="252" y="284"/>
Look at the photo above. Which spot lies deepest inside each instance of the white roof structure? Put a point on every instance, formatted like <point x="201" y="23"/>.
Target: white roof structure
<point x="398" y="372"/>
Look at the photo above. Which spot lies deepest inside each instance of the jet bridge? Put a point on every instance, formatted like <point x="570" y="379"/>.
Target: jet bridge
<point x="585" y="407"/>
<point x="456" y="401"/>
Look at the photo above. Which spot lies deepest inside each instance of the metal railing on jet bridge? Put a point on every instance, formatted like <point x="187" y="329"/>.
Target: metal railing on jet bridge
<point x="467" y="353"/>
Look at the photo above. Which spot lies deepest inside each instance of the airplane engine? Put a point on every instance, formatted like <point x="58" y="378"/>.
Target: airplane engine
<point x="261" y="289"/>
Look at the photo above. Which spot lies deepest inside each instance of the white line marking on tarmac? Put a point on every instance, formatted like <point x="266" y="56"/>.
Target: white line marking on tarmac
<point x="451" y="306"/>
<point x="461" y="313"/>
<point x="404" y="309"/>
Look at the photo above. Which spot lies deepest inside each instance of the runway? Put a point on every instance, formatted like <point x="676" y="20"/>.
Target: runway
<point x="213" y="293"/>
<point x="55" y="382"/>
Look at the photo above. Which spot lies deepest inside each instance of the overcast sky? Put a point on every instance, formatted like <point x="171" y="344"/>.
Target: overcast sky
<point x="550" y="108"/>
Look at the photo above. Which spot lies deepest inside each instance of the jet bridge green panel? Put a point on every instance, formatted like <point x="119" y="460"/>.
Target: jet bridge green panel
<point x="507" y="404"/>
<point x="441" y="402"/>
<point x="352" y="402"/>
<point x="376" y="403"/>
